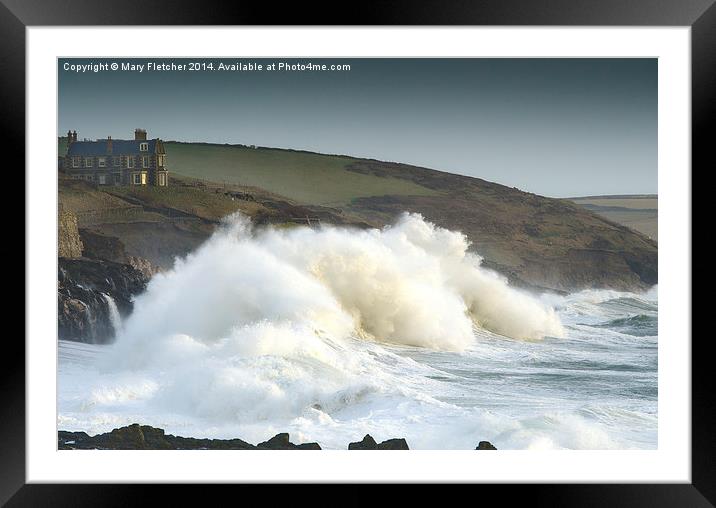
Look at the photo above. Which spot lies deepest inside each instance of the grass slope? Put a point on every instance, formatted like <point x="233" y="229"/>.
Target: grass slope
<point x="306" y="177"/>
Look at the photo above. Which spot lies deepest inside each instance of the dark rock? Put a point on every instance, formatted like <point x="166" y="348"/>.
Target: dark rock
<point x="368" y="443"/>
<point x="134" y="437"/>
<point x="191" y="443"/>
<point x="71" y="440"/>
<point x="485" y="445"/>
<point x="278" y="442"/>
<point x="308" y="446"/>
<point x="281" y="442"/>
<point x="394" y="444"/>
<point x="84" y="289"/>
<point x="143" y="437"/>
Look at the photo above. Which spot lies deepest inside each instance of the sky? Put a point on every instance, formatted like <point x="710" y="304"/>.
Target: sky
<point x="555" y="127"/>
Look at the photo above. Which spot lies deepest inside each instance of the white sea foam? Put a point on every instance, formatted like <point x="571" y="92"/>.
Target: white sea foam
<point x="411" y="283"/>
<point x="332" y="333"/>
<point x="257" y="324"/>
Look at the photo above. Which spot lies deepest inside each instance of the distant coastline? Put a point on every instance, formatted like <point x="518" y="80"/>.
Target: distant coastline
<point x="636" y="211"/>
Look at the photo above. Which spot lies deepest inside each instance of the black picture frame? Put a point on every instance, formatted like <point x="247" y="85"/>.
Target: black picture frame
<point x="16" y="15"/>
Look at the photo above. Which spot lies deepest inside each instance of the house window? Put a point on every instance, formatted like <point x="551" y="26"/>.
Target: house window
<point x="102" y="162"/>
<point x="130" y="162"/>
<point x="89" y="178"/>
<point x="144" y="179"/>
<point x="88" y="162"/>
<point x="102" y="179"/>
<point x="145" y="161"/>
<point x="162" y="179"/>
<point x="136" y="179"/>
<point x="75" y="162"/>
<point x="117" y="178"/>
<point x="115" y="162"/>
<point x="143" y="147"/>
<point x="160" y="161"/>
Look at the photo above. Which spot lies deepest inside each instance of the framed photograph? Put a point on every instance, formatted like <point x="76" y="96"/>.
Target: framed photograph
<point x="419" y="234"/>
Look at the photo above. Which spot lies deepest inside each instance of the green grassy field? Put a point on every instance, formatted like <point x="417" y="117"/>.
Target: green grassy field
<point x="309" y="178"/>
<point x="305" y="177"/>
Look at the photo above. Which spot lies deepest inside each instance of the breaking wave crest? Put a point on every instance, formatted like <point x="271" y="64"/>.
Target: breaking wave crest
<point x="267" y="290"/>
<point x="265" y="324"/>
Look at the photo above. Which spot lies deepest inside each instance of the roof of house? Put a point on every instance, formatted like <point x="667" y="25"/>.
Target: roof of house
<point x="119" y="147"/>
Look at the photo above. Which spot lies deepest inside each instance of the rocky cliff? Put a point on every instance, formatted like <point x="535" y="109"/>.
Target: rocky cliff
<point x="92" y="294"/>
<point x="97" y="281"/>
<point x="68" y="239"/>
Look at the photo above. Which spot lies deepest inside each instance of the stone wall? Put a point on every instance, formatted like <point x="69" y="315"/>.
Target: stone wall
<point x="68" y="237"/>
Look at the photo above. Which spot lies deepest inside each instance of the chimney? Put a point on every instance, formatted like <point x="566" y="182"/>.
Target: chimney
<point x="74" y="136"/>
<point x="109" y="144"/>
<point x="140" y="135"/>
<point x="69" y="137"/>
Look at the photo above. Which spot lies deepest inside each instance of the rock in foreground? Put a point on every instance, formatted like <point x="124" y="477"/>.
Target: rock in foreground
<point x="485" y="445"/>
<point x="368" y="443"/>
<point x="281" y="442"/>
<point x="144" y="437"/>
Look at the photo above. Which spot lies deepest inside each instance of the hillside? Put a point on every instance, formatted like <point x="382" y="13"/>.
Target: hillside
<point x="158" y="224"/>
<point x="638" y="212"/>
<point x="305" y="177"/>
<point x="536" y="241"/>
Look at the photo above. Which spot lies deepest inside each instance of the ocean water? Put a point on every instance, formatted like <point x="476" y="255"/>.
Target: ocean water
<point x="332" y="334"/>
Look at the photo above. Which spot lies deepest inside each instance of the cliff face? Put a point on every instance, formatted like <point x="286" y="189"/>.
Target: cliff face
<point x="110" y="248"/>
<point x="68" y="238"/>
<point x="87" y="291"/>
<point x="97" y="281"/>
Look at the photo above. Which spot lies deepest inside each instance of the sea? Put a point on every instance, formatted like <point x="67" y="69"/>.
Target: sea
<point x="330" y="334"/>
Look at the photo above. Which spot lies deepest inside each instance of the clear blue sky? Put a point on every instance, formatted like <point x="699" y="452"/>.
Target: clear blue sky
<point x="556" y="127"/>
